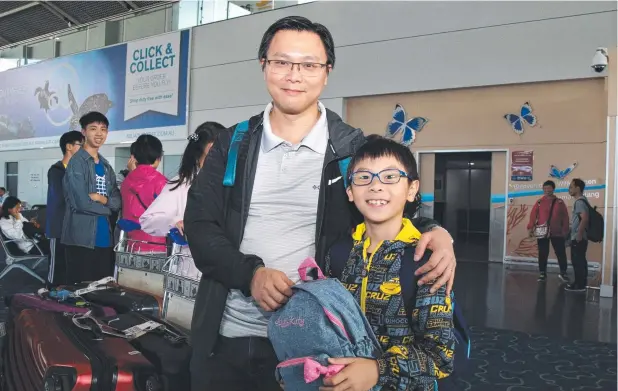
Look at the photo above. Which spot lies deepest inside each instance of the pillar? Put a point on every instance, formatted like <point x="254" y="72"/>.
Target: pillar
<point x="611" y="193"/>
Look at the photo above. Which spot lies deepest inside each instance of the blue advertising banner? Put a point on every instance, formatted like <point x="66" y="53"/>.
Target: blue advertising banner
<point x="141" y="87"/>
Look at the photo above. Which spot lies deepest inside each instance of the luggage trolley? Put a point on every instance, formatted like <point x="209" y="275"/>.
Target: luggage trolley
<point x="136" y="269"/>
<point x="182" y="280"/>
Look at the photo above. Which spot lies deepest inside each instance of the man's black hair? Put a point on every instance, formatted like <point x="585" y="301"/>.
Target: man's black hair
<point x="71" y="137"/>
<point x="147" y="149"/>
<point x="299" y="23"/>
<point x="376" y="147"/>
<point x="94" y="117"/>
<point x="579" y="183"/>
<point x="550" y="183"/>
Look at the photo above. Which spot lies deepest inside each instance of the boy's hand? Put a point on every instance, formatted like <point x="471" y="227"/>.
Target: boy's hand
<point x="360" y="374"/>
<point x="270" y="288"/>
<point x="96" y="197"/>
<point x="441" y="264"/>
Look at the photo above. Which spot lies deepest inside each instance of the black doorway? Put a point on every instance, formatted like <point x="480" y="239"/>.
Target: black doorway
<point x="462" y="201"/>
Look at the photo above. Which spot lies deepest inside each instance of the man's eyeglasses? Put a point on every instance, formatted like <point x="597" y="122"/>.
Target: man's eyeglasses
<point x="388" y="177"/>
<point x="282" y="67"/>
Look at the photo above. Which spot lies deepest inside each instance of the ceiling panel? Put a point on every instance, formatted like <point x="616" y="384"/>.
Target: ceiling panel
<point x="39" y="20"/>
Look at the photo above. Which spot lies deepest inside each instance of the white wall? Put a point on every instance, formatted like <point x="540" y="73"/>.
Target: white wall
<point x="390" y="47"/>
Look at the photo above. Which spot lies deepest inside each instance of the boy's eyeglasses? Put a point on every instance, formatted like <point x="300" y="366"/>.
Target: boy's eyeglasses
<point x="388" y="177"/>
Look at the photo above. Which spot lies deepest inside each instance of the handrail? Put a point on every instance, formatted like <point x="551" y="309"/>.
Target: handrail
<point x="85" y="26"/>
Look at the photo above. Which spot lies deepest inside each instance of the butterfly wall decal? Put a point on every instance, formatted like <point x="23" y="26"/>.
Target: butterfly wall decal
<point x="517" y="121"/>
<point x="555" y="172"/>
<point x="407" y="128"/>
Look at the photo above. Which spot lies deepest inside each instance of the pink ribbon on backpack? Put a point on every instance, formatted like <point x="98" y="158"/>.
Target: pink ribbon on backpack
<point x="313" y="370"/>
<point x="306" y="267"/>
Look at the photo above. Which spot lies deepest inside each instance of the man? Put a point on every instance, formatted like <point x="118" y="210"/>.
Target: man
<point x="2" y="195"/>
<point x="70" y="143"/>
<point x="579" y="240"/>
<point x="91" y="195"/>
<point x="552" y="211"/>
<point x="288" y="203"/>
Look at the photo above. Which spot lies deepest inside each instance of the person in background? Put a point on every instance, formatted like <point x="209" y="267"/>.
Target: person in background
<point x="91" y="194"/>
<point x="140" y="188"/>
<point x="558" y="229"/>
<point x="168" y="209"/>
<point x="16" y="227"/>
<point x="288" y="202"/>
<point x="579" y="240"/>
<point x="3" y="194"/>
<point x="70" y="143"/>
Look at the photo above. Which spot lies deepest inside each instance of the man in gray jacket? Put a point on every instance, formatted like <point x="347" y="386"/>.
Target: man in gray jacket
<point x="91" y="195"/>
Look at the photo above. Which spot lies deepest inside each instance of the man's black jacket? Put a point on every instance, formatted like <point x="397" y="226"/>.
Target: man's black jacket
<point x="215" y="220"/>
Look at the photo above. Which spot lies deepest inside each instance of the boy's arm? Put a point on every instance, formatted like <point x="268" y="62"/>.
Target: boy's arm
<point x="76" y="192"/>
<point x="114" y="201"/>
<point x="430" y="355"/>
<point x="533" y="215"/>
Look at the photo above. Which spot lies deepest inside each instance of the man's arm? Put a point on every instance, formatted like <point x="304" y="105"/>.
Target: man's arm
<point x="76" y="191"/>
<point x="581" y="209"/>
<point x="213" y="252"/>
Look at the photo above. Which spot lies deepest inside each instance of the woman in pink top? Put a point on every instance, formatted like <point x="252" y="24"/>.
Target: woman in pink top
<point x="167" y="211"/>
<point x="140" y="188"/>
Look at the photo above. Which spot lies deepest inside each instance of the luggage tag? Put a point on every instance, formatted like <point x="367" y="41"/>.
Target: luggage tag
<point x="141" y="329"/>
<point x="101" y="327"/>
<point x="95" y="286"/>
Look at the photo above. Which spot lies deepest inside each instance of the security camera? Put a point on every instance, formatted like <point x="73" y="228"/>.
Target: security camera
<point x="599" y="61"/>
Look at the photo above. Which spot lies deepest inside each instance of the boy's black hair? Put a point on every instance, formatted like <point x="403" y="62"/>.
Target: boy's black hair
<point x="94" y="117"/>
<point x="298" y="23"/>
<point x="376" y="147"/>
<point x="550" y="183"/>
<point x="3" y="189"/>
<point x="579" y="183"/>
<point x="71" y="137"/>
<point x="147" y="149"/>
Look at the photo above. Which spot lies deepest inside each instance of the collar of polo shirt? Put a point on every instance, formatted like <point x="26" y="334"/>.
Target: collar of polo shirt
<point x="316" y="140"/>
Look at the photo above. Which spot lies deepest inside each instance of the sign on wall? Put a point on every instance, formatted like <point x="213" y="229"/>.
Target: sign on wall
<point x="522" y="165"/>
<point x="140" y="86"/>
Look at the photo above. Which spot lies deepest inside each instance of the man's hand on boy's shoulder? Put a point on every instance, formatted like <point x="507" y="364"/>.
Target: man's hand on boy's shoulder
<point x="441" y="265"/>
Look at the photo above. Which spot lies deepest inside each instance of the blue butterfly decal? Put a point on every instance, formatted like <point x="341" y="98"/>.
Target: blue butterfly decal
<point x="517" y="121"/>
<point x="407" y="128"/>
<point x="554" y="172"/>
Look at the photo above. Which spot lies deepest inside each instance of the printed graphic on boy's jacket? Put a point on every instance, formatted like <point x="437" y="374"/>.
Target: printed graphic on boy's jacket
<point x="100" y="184"/>
<point x="408" y="366"/>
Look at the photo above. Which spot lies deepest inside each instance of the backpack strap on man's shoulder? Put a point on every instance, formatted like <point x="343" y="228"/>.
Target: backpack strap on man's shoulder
<point x="343" y="168"/>
<point x="339" y="254"/>
<point x="232" y="156"/>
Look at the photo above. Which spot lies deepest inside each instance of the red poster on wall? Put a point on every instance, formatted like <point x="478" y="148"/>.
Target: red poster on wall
<point x="521" y="165"/>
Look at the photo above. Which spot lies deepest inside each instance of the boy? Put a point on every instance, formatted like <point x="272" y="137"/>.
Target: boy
<point x="70" y="143"/>
<point x="419" y="346"/>
<point x="91" y="194"/>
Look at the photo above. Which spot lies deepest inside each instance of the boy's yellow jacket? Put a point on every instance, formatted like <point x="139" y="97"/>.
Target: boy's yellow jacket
<point x="418" y="352"/>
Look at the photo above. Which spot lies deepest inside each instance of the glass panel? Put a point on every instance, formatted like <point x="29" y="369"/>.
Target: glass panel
<point x="11" y="185"/>
<point x="11" y="168"/>
<point x="71" y="43"/>
<point x="40" y="51"/>
<point x="96" y="36"/>
<point x="11" y="58"/>
<point x="171" y="163"/>
<point x="145" y="25"/>
<point x="186" y="13"/>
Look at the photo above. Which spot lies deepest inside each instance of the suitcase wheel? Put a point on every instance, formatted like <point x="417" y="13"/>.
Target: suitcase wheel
<point x="53" y="383"/>
<point x="153" y="384"/>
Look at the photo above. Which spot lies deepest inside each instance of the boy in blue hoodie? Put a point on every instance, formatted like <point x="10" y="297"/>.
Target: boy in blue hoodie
<point x="70" y="143"/>
<point x="417" y="337"/>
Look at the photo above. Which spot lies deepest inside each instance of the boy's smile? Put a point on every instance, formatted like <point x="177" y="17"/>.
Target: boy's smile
<point x="381" y="202"/>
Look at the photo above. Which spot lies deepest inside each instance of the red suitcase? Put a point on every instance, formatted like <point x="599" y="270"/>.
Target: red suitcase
<point x="23" y="301"/>
<point x="46" y="351"/>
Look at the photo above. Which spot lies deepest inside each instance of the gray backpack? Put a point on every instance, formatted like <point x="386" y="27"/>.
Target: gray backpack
<point x="321" y="320"/>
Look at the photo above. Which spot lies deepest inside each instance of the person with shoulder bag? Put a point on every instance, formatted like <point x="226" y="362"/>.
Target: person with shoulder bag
<point x="549" y="222"/>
